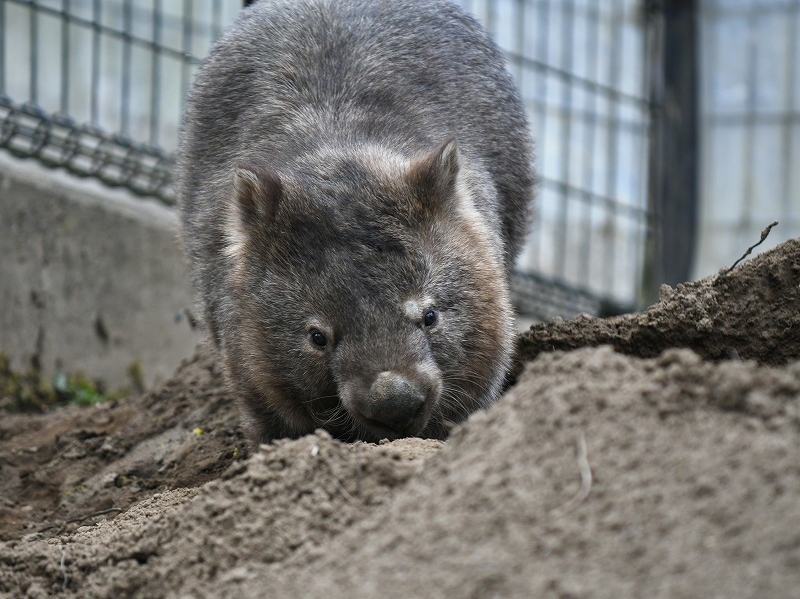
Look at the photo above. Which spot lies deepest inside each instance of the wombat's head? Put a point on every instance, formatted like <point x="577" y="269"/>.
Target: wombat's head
<point x="369" y="295"/>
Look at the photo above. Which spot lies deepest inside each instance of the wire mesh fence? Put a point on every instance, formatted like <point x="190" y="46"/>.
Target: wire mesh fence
<point x="98" y="87"/>
<point x="750" y="123"/>
<point x="582" y="68"/>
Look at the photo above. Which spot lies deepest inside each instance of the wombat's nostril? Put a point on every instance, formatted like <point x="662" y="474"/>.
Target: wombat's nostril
<point x="393" y="401"/>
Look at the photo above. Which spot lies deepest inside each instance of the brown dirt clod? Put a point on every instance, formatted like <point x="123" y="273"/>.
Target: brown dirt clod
<point x="751" y="313"/>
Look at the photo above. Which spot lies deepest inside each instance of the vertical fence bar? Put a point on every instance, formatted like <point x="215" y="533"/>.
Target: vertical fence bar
<point x="125" y="108"/>
<point x="672" y="172"/>
<point x="566" y="109"/>
<point x="519" y="33"/>
<point x="491" y="18"/>
<point x="3" y="47"/>
<point x="610" y="227"/>
<point x="216" y="20"/>
<point x="647" y="290"/>
<point x="750" y="120"/>
<point x="64" y="95"/>
<point x="34" y="82"/>
<point x="585" y="242"/>
<point x="651" y="277"/>
<point x="95" y="90"/>
<point x="678" y="209"/>
<point x="786" y="125"/>
<point x="155" y="74"/>
<point x="187" y="49"/>
<point x="542" y="22"/>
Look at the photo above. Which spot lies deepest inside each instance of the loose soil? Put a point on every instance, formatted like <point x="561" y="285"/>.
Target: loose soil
<point x="750" y="313"/>
<point x="661" y="473"/>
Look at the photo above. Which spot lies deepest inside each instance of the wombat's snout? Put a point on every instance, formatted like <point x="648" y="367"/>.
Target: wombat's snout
<point x="395" y="402"/>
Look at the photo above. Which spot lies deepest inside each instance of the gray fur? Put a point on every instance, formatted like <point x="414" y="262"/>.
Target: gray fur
<point x="348" y="166"/>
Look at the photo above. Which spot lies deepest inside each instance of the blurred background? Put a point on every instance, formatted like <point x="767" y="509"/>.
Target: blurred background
<point x="667" y="132"/>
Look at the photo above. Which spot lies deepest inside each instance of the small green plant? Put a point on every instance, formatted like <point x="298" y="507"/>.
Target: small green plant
<point x="78" y="389"/>
<point x="136" y="376"/>
<point x="29" y="391"/>
<point x="24" y="391"/>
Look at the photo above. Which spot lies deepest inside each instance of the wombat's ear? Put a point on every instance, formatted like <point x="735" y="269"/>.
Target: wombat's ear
<point x="434" y="175"/>
<point x="255" y="198"/>
<point x="256" y="194"/>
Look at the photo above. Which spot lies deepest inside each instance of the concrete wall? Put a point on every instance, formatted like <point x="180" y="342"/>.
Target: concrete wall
<point x="91" y="278"/>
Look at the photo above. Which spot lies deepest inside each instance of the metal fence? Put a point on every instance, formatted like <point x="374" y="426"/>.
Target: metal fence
<point x="98" y="88"/>
<point x="750" y="124"/>
<point x="582" y="68"/>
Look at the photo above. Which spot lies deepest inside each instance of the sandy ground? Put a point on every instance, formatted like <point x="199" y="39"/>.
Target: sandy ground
<point x="660" y="473"/>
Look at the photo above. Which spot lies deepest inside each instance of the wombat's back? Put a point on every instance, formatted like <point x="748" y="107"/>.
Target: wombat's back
<point x="293" y="75"/>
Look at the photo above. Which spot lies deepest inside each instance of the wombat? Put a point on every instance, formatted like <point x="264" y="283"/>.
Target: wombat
<point x="355" y="184"/>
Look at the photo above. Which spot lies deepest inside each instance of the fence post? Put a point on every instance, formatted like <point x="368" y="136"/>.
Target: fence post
<point x="674" y="156"/>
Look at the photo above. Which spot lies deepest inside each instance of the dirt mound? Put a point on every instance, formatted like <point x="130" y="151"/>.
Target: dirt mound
<point x="285" y="502"/>
<point x="751" y="312"/>
<point x="60" y="468"/>
<point x="692" y="491"/>
<point x="597" y="475"/>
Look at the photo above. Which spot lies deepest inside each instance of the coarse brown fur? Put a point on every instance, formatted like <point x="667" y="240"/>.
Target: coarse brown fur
<point x="355" y="185"/>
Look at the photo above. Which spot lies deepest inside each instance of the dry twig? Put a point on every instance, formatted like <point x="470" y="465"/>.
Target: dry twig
<point x="341" y="488"/>
<point x="63" y="527"/>
<point x="764" y="234"/>
<point x="586" y="480"/>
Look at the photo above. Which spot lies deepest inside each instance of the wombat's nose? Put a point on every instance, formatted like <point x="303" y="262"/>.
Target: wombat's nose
<point x="393" y="401"/>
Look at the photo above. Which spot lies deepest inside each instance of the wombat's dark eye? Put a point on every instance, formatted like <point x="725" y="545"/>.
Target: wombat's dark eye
<point x="430" y="318"/>
<point x="318" y="339"/>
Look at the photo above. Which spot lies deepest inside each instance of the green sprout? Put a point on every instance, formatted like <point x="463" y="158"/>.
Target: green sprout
<point x="78" y="389"/>
<point x="29" y="391"/>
